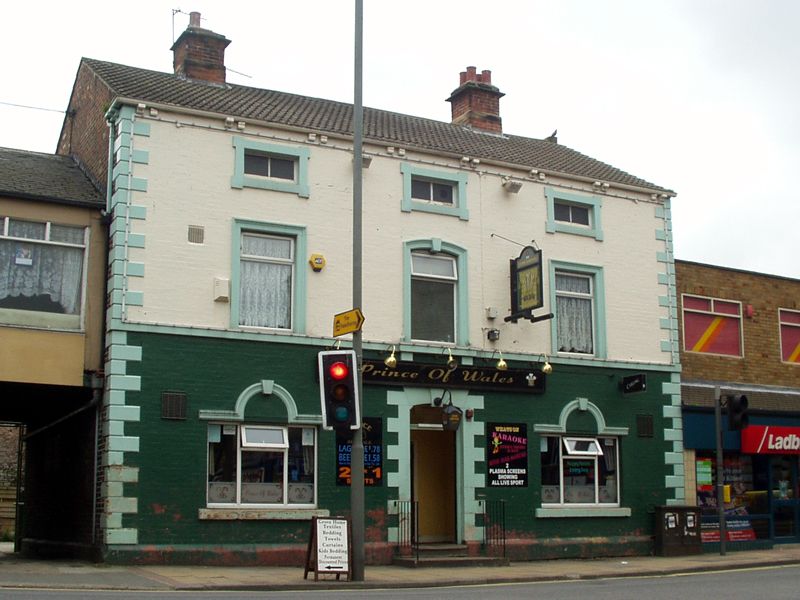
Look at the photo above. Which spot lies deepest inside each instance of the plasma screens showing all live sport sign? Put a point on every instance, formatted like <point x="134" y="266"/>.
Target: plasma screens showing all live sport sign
<point x="507" y="454"/>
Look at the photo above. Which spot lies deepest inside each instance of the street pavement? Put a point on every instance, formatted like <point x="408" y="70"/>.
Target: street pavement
<point x="17" y="572"/>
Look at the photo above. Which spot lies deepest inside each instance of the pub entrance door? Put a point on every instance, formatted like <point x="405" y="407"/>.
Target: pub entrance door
<point x="433" y="475"/>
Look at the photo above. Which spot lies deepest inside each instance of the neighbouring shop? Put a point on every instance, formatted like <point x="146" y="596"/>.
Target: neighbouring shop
<point x="760" y="477"/>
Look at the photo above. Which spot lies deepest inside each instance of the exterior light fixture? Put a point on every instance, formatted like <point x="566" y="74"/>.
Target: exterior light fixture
<point x="502" y="365"/>
<point x="452" y="363"/>
<point x="391" y="360"/>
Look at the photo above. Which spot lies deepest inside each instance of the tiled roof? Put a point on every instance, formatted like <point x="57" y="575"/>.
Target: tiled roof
<point x="47" y="177"/>
<point x="328" y="116"/>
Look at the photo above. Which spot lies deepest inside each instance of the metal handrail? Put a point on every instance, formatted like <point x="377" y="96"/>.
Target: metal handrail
<point x="494" y="526"/>
<point x="408" y="527"/>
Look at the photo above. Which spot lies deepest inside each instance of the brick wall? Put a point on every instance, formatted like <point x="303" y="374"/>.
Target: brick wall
<point x="85" y="134"/>
<point x="761" y="363"/>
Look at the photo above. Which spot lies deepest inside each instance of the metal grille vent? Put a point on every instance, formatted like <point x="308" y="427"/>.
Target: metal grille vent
<point x="644" y="425"/>
<point x="196" y="234"/>
<point x="173" y="405"/>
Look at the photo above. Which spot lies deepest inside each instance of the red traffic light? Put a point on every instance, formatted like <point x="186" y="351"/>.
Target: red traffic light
<point x="338" y="371"/>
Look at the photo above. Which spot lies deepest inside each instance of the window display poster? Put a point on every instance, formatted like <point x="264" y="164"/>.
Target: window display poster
<point x="705" y="478"/>
<point x="372" y="437"/>
<point x="507" y="454"/>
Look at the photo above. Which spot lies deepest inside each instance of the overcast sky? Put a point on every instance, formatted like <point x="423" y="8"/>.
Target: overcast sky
<point x="698" y="96"/>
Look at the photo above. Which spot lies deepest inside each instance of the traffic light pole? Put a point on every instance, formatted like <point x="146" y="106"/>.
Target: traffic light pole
<point x="720" y="487"/>
<point x="357" y="453"/>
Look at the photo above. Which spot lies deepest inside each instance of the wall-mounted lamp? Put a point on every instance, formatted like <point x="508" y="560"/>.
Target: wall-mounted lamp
<point x="547" y="368"/>
<point x="493" y="335"/>
<point x="391" y="360"/>
<point x="502" y="365"/>
<point x="439" y="400"/>
<point x="511" y="186"/>
<point x="452" y="363"/>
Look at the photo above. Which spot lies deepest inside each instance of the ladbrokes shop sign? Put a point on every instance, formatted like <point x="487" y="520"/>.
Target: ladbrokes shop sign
<point x="527" y="381"/>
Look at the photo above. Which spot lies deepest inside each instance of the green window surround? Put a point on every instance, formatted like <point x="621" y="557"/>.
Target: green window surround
<point x="298" y="234"/>
<point x="436" y="246"/>
<point x="598" y="303"/>
<point x="298" y="155"/>
<point x="458" y="181"/>
<point x="591" y="203"/>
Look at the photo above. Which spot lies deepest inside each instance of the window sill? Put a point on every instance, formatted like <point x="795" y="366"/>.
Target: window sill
<point x="583" y="511"/>
<point x="260" y="514"/>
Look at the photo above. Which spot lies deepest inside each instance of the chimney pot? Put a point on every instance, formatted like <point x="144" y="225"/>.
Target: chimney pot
<point x="199" y="53"/>
<point x="476" y="102"/>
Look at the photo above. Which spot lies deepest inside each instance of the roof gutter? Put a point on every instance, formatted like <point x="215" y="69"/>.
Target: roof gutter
<point x="663" y="193"/>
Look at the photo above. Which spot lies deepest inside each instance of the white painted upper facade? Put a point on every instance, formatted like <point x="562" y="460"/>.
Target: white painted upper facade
<point x="184" y="171"/>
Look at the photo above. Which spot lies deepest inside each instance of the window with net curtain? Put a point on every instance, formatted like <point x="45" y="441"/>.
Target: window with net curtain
<point x="266" y="280"/>
<point x="258" y="464"/>
<point x="41" y="269"/>
<point x="433" y="297"/>
<point x="574" y="312"/>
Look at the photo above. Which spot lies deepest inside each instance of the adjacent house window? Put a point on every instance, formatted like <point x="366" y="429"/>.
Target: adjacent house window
<point x="261" y="466"/>
<point x="41" y="273"/>
<point x="790" y="335"/>
<point x="433" y="297"/>
<point x="268" y="282"/>
<point x="268" y="166"/>
<point x="580" y="470"/>
<point x="573" y="213"/>
<point x="712" y="325"/>
<point x="434" y="191"/>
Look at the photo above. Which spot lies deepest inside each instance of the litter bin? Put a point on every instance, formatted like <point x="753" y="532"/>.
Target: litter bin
<point x="678" y="531"/>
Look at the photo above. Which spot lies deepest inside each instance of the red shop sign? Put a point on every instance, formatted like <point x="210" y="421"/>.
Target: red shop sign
<point x="770" y="439"/>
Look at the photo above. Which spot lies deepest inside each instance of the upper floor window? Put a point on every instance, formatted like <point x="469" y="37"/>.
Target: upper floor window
<point x="434" y="191"/>
<point x="433" y="297"/>
<point x="268" y="284"/>
<point x="580" y="470"/>
<point x="578" y="297"/>
<point x="41" y="273"/>
<point x="712" y="326"/>
<point x="259" y="465"/>
<point x="573" y="213"/>
<point x="790" y="335"/>
<point x="268" y="166"/>
<point x="435" y="304"/>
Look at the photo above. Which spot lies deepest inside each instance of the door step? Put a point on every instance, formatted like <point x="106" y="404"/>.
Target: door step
<point x="446" y="555"/>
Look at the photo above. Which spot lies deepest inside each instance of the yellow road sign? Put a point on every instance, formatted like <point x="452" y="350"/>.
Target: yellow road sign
<point x="347" y="322"/>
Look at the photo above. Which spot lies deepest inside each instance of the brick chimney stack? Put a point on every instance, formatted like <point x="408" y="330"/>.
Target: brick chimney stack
<point x="199" y="53"/>
<point x="476" y="102"/>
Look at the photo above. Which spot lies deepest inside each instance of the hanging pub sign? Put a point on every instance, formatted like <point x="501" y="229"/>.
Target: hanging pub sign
<point x="507" y="454"/>
<point x="372" y="437"/>
<point x="526" y="286"/>
<point x="468" y="377"/>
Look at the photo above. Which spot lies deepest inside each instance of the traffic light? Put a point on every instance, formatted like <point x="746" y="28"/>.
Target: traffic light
<point x="338" y="389"/>
<point x="737" y="413"/>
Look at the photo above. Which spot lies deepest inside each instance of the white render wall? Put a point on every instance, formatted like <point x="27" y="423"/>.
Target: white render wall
<point x="188" y="175"/>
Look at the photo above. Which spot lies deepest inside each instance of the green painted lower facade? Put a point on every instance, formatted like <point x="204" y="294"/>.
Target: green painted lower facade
<point x="155" y="496"/>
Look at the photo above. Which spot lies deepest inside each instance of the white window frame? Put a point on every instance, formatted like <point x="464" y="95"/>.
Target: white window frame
<point x="571" y="443"/>
<point x="593" y="204"/>
<point x="590" y="296"/>
<point x="565" y="454"/>
<point x="243" y="446"/>
<point x="456" y="180"/>
<point x="53" y="321"/>
<point x="788" y="324"/>
<point x="453" y="279"/>
<point x="714" y="313"/>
